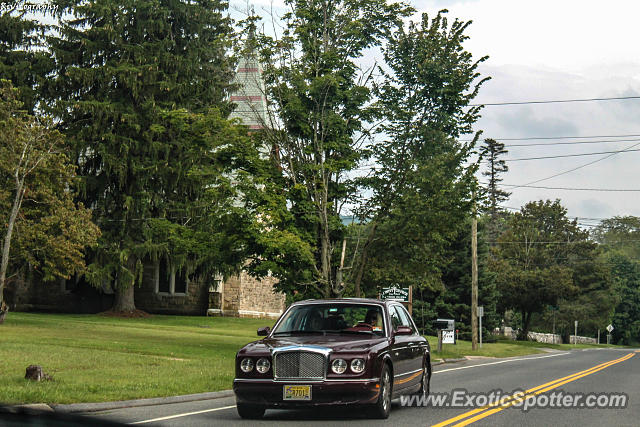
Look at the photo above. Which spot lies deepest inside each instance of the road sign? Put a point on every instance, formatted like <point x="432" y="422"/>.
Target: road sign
<point x="480" y="311"/>
<point x="610" y="328"/>
<point x="448" y="337"/>
<point x="395" y="293"/>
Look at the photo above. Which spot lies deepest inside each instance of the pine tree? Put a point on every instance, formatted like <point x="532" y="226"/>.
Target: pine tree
<point x="491" y="152"/>
<point x="23" y="61"/>
<point x="140" y="91"/>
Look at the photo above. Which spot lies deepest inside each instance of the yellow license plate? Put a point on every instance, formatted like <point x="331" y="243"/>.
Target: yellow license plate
<point x="296" y="392"/>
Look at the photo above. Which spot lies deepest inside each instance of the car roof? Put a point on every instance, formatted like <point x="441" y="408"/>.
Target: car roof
<point x="342" y="301"/>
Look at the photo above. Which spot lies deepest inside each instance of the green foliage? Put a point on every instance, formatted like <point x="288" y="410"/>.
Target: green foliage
<point x="619" y="237"/>
<point x="42" y="225"/>
<point x="422" y="189"/>
<point x="23" y="59"/>
<point x="545" y="259"/>
<point x="490" y="153"/>
<point x="321" y="99"/>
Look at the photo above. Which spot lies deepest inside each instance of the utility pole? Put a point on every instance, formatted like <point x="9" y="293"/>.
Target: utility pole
<point x="474" y="282"/>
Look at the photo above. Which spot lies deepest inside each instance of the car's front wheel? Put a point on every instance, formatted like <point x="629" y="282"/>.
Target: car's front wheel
<point x="249" y="412"/>
<point x="382" y="407"/>
<point x="425" y="383"/>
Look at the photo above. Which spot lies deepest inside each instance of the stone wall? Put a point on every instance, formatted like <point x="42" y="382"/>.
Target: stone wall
<point x="194" y="302"/>
<point x="548" y="338"/>
<point x="582" y="340"/>
<point x="545" y="338"/>
<point x="240" y="296"/>
<point x="246" y="296"/>
<point x="31" y="293"/>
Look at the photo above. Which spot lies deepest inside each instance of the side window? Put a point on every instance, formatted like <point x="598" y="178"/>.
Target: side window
<point x="395" y="318"/>
<point x="404" y="317"/>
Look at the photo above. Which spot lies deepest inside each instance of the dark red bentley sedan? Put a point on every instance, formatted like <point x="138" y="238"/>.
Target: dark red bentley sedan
<point x="333" y="352"/>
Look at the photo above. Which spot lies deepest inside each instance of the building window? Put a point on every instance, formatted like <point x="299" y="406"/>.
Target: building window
<point x="168" y="280"/>
<point x="180" y="282"/>
<point x="163" y="279"/>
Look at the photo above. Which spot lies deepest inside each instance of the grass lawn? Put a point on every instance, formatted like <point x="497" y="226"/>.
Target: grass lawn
<point x="499" y="349"/>
<point x="94" y="358"/>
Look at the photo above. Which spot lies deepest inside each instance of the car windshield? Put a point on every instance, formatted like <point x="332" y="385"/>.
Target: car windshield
<point x="332" y="318"/>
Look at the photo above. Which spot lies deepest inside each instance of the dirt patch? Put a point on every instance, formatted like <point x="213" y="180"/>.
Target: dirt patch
<point x="134" y="314"/>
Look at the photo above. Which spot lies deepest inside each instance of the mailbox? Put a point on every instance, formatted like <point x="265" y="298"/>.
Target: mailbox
<point x="446" y="324"/>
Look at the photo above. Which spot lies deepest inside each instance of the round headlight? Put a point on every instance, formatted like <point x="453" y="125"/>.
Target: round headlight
<point x="338" y="366"/>
<point x="246" y="365"/>
<point x="263" y="365"/>
<point x="357" y="365"/>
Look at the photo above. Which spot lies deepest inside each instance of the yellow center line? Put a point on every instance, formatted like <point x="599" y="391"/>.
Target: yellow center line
<point x="518" y="397"/>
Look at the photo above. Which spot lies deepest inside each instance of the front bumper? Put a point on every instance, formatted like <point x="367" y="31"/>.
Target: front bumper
<point x="269" y="393"/>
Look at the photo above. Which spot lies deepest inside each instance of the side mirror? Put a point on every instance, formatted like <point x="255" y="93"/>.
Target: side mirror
<point x="264" y="331"/>
<point x="404" y="330"/>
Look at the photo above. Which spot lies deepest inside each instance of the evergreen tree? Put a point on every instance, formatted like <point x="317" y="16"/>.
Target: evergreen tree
<point x="140" y="91"/>
<point x="23" y="59"/>
<point x="491" y="152"/>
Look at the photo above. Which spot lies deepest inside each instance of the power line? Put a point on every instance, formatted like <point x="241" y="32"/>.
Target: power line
<point x="559" y="156"/>
<point x="560" y="242"/>
<point x="555" y="101"/>
<point x="547" y="144"/>
<point x="576" y="168"/>
<point x="531" y="138"/>
<point x="572" y="188"/>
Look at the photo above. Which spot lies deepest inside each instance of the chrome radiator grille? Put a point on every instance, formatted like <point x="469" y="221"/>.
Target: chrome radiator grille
<point x="299" y="364"/>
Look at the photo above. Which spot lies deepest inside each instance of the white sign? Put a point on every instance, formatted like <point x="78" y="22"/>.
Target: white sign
<point x="610" y="328"/>
<point x="480" y="311"/>
<point x="448" y="337"/>
<point x="575" y="323"/>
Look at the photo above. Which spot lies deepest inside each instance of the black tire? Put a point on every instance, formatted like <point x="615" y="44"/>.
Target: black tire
<point x="382" y="407"/>
<point x="425" y="383"/>
<point x="250" y="412"/>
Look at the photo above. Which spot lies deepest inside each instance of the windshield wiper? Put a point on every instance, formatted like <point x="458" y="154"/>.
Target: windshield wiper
<point x="345" y="331"/>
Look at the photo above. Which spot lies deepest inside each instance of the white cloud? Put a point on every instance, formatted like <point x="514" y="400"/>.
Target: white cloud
<point x="549" y="50"/>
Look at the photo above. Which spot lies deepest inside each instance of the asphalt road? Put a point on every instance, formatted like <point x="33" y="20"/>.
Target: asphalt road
<point x="580" y="371"/>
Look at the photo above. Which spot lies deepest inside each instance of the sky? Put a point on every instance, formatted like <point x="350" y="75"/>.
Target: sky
<point x="559" y="50"/>
<point x="555" y="50"/>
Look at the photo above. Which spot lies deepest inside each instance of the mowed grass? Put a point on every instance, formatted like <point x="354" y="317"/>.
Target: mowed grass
<point x="94" y="358"/>
<point x="498" y="349"/>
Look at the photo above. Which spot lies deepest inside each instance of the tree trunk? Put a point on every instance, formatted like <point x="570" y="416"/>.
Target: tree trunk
<point x="17" y="201"/>
<point x="363" y="259"/>
<point x="526" y="320"/>
<point x="3" y="312"/>
<point x="124" y="300"/>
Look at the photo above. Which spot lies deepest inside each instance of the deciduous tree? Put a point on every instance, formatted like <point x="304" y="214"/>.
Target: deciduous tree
<point x="320" y="99"/>
<point x="36" y="202"/>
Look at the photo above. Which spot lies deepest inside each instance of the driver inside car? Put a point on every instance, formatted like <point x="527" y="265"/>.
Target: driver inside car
<point x="372" y="322"/>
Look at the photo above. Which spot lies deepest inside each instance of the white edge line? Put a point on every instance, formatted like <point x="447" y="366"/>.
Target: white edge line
<point x="501" y="361"/>
<point x="183" y="415"/>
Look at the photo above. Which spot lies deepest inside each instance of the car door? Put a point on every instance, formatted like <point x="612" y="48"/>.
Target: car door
<point x="415" y="347"/>
<point x="401" y="352"/>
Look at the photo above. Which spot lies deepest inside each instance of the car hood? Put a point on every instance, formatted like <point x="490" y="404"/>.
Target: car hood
<point x="336" y="343"/>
